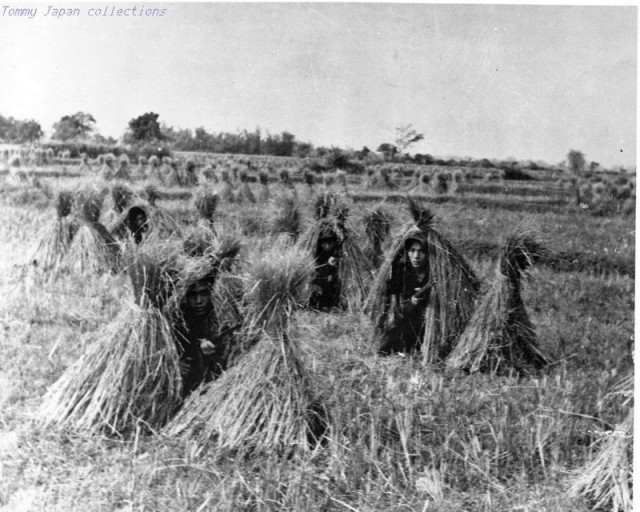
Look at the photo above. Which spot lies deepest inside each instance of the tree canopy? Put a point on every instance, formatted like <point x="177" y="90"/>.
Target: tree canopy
<point x="76" y="126"/>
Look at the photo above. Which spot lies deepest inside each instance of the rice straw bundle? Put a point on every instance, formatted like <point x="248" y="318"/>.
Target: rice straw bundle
<point x="500" y="334"/>
<point x="450" y="299"/>
<point x="150" y="193"/>
<point x="55" y="244"/>
<point x="354" y="268"/>
<point x="285" y="178"/>
<point x="226" y="193"/>
<point x="606" y="481"/>
<point x="205" y="202"/>
<point x="188" y="176"/>
<point x="377" y="226"/>
<point x="244" y="194"/>
<point x="264" y="402"/>
<point x="199" y="240"/>
<point x="107" y="172"/>
<point x="121" y="197"/>
<point x="287" y="219"/>
<point x="130" y="375"/>
<point x="93" y="249"/>
<point x="123" y="172"/>
<point x="265" y="194"/>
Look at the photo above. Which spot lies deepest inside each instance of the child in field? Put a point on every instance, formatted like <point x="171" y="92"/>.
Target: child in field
<point x="326" y="283"/>
<point x="406" y="301"/>
<point x="203" y="347"/>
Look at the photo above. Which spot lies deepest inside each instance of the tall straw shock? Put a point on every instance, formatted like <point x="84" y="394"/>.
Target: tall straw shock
<point x="53" y="247"/>
<point x="451" y="298"/>
<point x="264" y="402"/>
<point x="130" y="376"/>
<point x="500" y="335"/>
<point x="93" y="249"/>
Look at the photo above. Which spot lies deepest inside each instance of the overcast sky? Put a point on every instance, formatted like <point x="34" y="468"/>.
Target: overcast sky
<point x="496" y="81"/>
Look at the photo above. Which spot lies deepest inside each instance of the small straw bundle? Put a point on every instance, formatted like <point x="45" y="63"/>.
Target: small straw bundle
<point x="287" y="219"/>
<point x="124" y="171"/>
<point x="354" y="268"/>
<point x="377" y="224"/>
<point x="264" y="402"/>
<point x="54" y="246"/>
<point x="245" y="195"/>
<point x="130" y="376"/>
<point x="93" y="249"/>
<point x="500" y="334"/>
<point x="107" y="172"/>
<point x="205" y="203"/>
<point x="121" y="197"/>
<point x="606" y="480"/>
<point x="265" y="193"/>
<point x="451" y="298"/>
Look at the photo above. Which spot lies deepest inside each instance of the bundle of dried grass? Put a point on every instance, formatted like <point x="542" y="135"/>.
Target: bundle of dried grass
<point x="54" y="246"/>
<point x="108" y="171"/>
<point x="93" y="249"/>
<point x="287" y="219"/>
<point x="226" y="192"/>
<point x="380" y="178"/>
<point x="130" y="376"/>
<point x="264" y="402"/>
<point x="500" y="335"/>
<point x="245" y="195"/>
<point x="150" y="193"/>
<point x="187" y="174"/>
<point x="124" y="171"/>
<point x="121" y="197"/>
<point x="265" y="193"/>
<point x="205" y="202"/>
<point x="606" y="481"/>
<point x="354" y="269"/>
<point x="285" y="178"/>
<point x="451" y="298"/>
<point x="377" y="225"/>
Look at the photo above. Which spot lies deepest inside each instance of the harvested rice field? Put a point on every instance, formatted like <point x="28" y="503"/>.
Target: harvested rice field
<point x="402" y="432"/>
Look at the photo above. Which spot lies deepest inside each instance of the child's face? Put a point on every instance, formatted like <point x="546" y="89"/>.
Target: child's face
<point x="417" y="255"/>
<point x="327" y="244"/>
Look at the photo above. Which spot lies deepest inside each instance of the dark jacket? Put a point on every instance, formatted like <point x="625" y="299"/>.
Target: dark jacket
<point x="404" y="327"/>
<point x="196" y="366"/>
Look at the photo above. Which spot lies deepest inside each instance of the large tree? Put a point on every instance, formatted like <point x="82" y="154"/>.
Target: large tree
<point x="576" y="161"/>
<point x="76" y="126"/>
<point x="17" y="132"/>
<point x="144" y="128"/>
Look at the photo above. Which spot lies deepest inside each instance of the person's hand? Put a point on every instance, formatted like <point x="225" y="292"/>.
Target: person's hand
<point x="333" y="261"/>
<point x="207" y="347"/>
<point x="415" y="300"/>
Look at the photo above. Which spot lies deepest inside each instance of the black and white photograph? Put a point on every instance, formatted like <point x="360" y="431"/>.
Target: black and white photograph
<point x="317" y="257"/>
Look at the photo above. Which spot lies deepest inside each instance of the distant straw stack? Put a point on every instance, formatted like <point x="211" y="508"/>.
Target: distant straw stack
<point x="377" y="225"/>
<point x="93" y="249"/>
<point x="287" y="219"/>
<point x="55" y="244"/>
<point x="264" y="402"/>
<point x="500" y="335"/>
<point x="450" y="300"/>
<point x="265" y="193"/>
<point x="129" y="378"/>
<point x="205" y="203"/>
